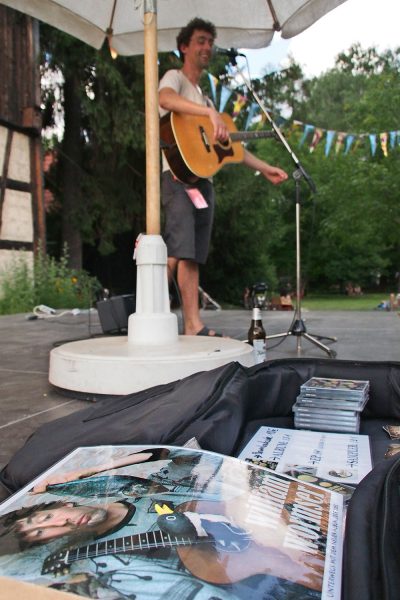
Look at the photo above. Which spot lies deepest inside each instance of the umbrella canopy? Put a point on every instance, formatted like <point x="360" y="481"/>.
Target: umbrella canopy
<point x="142" y="26"/>
<point x="244" y="24"/>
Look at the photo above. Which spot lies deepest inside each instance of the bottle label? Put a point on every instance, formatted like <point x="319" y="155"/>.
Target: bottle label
<point x="259" y="351"/>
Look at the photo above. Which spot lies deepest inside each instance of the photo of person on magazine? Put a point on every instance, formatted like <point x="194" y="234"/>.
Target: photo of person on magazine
<point x="86" y="482"/>
<point x="154" y="546"/>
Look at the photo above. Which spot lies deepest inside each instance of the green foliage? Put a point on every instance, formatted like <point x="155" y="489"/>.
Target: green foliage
<point x="109" y="156"/>
<point x="48" y="282"/>
<point x="16" y="288"/>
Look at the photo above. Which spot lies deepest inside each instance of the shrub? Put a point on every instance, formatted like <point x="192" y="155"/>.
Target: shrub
<point x="49" y="282"/>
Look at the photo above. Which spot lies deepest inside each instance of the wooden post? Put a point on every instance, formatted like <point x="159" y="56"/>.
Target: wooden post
<point x="152" y="119"/>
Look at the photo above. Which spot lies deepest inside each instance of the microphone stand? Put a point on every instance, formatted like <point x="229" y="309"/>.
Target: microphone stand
<point x="298" y="327"/>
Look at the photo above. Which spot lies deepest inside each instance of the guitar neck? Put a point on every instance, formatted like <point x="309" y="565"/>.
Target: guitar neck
<point x="121" y="545"/>
<point x="240" y="136"/>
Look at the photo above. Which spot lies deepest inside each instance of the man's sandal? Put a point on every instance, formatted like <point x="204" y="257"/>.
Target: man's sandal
<point x="207" y="332"/>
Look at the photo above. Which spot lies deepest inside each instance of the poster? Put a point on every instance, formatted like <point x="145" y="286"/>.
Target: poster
<point x="118" y="522"/>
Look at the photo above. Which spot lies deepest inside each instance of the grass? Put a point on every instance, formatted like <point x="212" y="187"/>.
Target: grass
<point x="334" y="302"/>
<point x="337" y="302"/>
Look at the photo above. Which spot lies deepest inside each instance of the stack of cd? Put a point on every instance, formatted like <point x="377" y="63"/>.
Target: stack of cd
<point x="331" y="404"/>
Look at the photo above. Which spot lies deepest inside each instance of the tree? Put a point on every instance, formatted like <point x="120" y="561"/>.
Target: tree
<point x="100" y="179"/>
<point x="355" y="224"/>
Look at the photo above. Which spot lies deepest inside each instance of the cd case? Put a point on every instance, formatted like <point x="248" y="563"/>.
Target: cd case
<point x="328" y="388"/>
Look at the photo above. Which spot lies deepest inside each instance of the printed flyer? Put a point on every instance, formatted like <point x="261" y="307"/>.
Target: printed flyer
<point x="119" y="522"/>
<point x="311" y="455"/>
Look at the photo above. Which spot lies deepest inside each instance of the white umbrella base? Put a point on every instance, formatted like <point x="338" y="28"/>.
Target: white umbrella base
<point x="112" y="366"/>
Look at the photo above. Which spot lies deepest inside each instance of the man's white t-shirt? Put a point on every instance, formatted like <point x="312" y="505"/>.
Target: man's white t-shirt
<point x="175" y="79"/>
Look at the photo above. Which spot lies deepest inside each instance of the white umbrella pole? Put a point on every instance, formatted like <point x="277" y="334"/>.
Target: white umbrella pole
<point x="152" y="120"/>
<point x="152" y="323"/>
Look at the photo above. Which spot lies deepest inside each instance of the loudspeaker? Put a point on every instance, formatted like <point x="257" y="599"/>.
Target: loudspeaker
<point x="114" y="312"/>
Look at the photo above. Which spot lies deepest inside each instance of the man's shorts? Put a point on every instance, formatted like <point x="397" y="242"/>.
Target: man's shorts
<point x="187" y="229"/>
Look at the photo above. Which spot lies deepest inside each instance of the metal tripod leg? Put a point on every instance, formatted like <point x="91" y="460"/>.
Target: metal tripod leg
<point x="315" y="341"/>
<point x="324" y="337"/>
<point x="299" y="330"/>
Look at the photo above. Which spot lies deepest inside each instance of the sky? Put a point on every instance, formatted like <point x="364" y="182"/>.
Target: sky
<point x="369" y="22"/>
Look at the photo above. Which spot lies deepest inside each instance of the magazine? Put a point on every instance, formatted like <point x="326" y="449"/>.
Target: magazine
<point x="147" y="522"/>
<point x="318" y="457"/>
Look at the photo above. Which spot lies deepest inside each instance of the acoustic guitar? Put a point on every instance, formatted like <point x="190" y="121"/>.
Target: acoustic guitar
<point x="191" y="153"/>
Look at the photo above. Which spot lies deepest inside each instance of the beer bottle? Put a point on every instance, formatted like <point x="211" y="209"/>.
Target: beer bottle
<point x="256" y="336"/>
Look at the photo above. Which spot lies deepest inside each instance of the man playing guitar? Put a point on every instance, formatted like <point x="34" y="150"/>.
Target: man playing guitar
<point x="189" y="210"/>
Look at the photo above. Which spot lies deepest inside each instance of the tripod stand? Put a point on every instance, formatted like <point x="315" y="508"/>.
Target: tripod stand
<point x="298" y="327"/>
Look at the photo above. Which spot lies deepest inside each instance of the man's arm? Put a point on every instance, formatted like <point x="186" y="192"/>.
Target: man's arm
<point x="113" y="463"/>
<point x="274" y="174"/>
<point x="170" y="100"/>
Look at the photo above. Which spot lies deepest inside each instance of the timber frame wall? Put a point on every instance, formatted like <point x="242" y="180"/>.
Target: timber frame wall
<point x="22" y="218"/>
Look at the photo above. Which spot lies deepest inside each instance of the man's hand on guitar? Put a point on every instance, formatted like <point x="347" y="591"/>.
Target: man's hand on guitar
<point x="274" y="174"/>
<point x="221" y="131"/>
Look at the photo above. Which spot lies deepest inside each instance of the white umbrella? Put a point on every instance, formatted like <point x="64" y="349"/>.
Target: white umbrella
<point x="240" y="23"/>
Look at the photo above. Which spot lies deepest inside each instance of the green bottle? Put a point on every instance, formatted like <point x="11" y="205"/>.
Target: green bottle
<point x="257" y="336"/>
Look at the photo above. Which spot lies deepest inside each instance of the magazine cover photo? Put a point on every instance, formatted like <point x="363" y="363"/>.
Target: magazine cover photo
<point x="117" y="522"/>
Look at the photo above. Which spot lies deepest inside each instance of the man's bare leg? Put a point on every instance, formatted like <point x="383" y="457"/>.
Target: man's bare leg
<point x="172" y="264"/>
<point x="188" y="281"/>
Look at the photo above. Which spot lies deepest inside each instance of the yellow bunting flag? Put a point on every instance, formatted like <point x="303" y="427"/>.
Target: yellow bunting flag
<point x="383" y="137"/>
<point x="238" y="104"/>
<point x="339" y="141"/>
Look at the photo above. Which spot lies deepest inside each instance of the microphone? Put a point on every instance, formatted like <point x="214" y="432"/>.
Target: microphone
<point x="231" y="53"/>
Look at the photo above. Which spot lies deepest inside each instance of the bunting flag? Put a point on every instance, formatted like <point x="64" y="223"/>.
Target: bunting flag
<point x="226" y="93"/>
<point x="253" y="109"/>
<point x="238" y="105"/>
<point x="318" y="133"/>
<point x="343" y="140"/>
<point x="339" y="141"/>
<point x="213" y="86"/>
<point x="307" y="130"/>
<point x="329" y="139"/>
<point x="349" y="141"/>
<point x="358" y="142"/>
<point x="261" y="122"/>
<point x="383" y="137"/>
<point x="280" y="121"/>
<point x="372" y="141"/>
